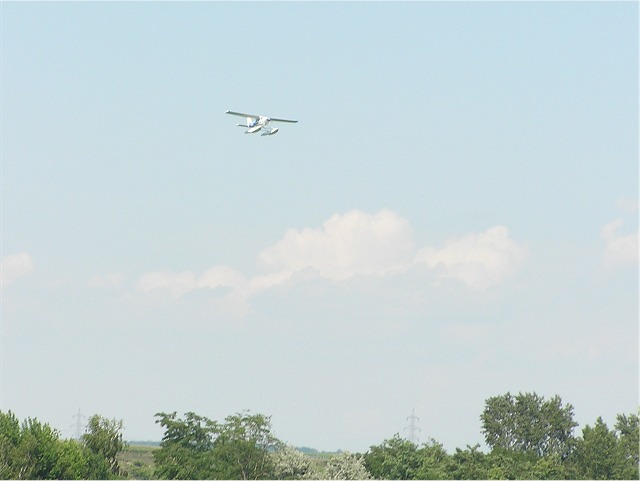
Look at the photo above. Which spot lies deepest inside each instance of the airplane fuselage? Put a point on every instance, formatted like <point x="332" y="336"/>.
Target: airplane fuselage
<point x="256" y="123"/>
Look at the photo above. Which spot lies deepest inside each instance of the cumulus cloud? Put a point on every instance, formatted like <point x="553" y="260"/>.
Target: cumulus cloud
<point x="13" y="267"/>
<point x="355" y="244"/>
<point x="346" y="245"/>
<point x="477" y="260"/>
<point x="619" y="249"/>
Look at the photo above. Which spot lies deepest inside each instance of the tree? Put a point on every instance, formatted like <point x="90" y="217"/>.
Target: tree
<point x="73" y="462"/>
<point x="289" y="463"/>
<point x="186" y="449"/>
<point x="470" y="463"/>
<point x="346" y="466"/>
<point x="628" y="432"/>
<point x="33" y="450"/>
<point x="434" y="462"/>
<point x="10" y="434"/>
<point x="527" y="423"/>
<point x="395" y="458"/>
<point x="36" y="450"/>
<point x="503" y="464"/>
<point x="104" y="440"/>
<point x="244" y="445"/>
<point x="603" y="453"/>
<point x="199" y="448"/>
<point x="596" y="454"/>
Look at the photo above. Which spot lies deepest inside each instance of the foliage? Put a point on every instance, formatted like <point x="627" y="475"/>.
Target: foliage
<point x="199" y="448"/>
<point x="37" y="449"/>
<point x="395" y="458"/>
<point x="602" y="453"/>
<point x="398" y="458"/>
<point x="628" y="431"/>
<point x="529" y="438"/>
<point x="503" y="464"/>
<point x="595" y="454"/>
<point x="470" y="463"/>
<point x="290" y="463"/>
<point x="435" y="463"/>
<point x="527" y="423"/>
<point x="346" y="466"/>
<point x="104" y="441"/>
<point x="244" y="446"/>
<point x="186" y="449"/>
<point x="74" y="462"/>
<point x="33" y="450"/>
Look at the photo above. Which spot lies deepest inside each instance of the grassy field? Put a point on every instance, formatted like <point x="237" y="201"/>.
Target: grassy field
<point x="137" y="461"/>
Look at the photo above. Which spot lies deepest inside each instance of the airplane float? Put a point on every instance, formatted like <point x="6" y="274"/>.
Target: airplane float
<point x="256" y="123"/>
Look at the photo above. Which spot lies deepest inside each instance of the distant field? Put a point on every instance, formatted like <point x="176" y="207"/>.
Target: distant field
<point x="137" y="460"/>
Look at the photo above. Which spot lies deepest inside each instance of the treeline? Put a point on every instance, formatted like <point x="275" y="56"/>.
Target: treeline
<point x="32" y="450"/>
<point x="528" y="438"/>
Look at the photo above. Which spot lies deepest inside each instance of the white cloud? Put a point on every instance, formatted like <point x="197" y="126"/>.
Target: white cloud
<point x="180" y="283"/>
<point x="13" y="267"/>
<point x="346" y="245"/>
<point x="355" y="244"/>
<point x="477" y="260"/>
<point x="221" y="276"/>
<point x="619" y="249"/>
<point x="176" y="283"/>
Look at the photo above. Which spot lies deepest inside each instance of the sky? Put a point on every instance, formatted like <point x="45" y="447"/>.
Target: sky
<point x="454" y="216"/>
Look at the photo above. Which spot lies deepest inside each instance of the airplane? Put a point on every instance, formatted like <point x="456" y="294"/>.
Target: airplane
<point x="256" y="123"/>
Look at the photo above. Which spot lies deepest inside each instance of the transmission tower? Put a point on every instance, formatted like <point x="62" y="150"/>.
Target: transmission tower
<point x="413" y="428"/>
<point x="78" y="425"/>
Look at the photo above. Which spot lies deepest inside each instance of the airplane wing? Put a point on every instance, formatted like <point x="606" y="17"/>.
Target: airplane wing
<point x="239" y="114"/>
<point x="254" y="116"/>
<point x="283" y="120"/>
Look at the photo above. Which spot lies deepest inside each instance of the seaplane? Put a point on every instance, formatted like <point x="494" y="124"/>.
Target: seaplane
<point x="256" y="123"/>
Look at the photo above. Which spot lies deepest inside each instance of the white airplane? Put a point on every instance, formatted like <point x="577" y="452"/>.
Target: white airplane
<point x="256" y="123"/>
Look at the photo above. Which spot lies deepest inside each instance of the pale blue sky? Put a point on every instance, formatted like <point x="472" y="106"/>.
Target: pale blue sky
<point x="453" y="217"/>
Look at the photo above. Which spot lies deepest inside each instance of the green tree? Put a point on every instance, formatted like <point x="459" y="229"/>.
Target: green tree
<point x="10" y="435"/>
<point x="527" y="423"/>
<point x="36" y="450"/>
<point x="469" y="463"/>
<point x="628" y="432"/>
<point x="198" y="448"/>
<point x="32" y="450"/>
<point x="434" y="462"/>
<point x="509" y="464"/>
<point x="72" y="462"/>
<point x="596" y="455"/>
<point x="186" y="449"/>
<point x="244" y="446"/>
<point x="103" y="439"/>
<point x="395" y="458"/>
